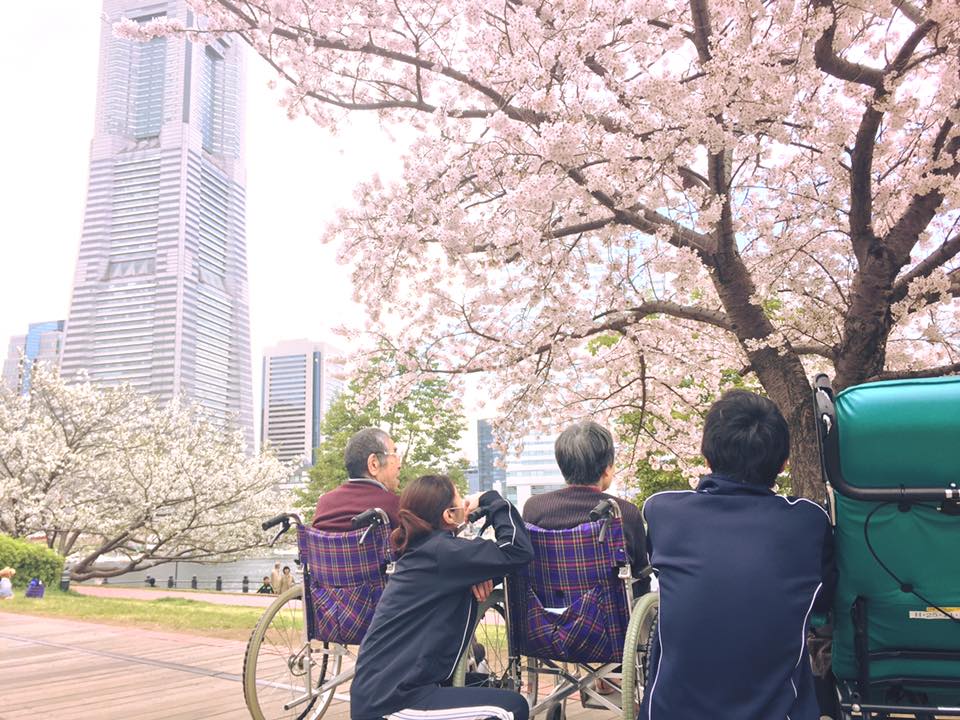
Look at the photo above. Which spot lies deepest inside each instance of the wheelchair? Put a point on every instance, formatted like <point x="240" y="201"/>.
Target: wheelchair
<point x="570" y="616"/>
<point x="891" y="461"/>
<point x="300" y="650"/>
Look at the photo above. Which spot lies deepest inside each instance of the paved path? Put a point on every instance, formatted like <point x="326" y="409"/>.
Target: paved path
<point x="56" y="668"/>
<point x="219" y="598"/>
<point x="53" y="668"/>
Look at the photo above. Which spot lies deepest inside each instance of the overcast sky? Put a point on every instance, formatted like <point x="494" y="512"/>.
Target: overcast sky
<point x="297" y="176"/>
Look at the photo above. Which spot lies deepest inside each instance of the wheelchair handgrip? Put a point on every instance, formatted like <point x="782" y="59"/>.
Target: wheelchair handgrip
<point x="274" y="521"/>
<point x="477" y="514"/>
<point x="602" y="509"/>
<point x="365" y="519"/>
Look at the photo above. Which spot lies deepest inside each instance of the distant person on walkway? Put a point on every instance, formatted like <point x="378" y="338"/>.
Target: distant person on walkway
<point x="585" y="454"/>
<point x="741" y="569"/>
<point x="373" y="472"/>
<point x="286" y="580"/>
<point x="426" y="614"/>
<point x="6" y="586"/>
<point x="275" y="577"/>
<point x="266" y="588"/>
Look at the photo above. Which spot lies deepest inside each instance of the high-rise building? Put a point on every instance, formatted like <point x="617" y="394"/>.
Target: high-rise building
<point x="533" y="471"/>
<point x="489" y="467"/>
<point x="12" y="365"/>
<point x="518" y="477"/>
<point x="41" y="344"/>
<point x="299" y="384"/>
<point x="160" y="289"/>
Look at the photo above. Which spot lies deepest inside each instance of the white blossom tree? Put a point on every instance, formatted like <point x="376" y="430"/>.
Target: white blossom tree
<point x="618" y="206"/>
<point x="106" y="471"/>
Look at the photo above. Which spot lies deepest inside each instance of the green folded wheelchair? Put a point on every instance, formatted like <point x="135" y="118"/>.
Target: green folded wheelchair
<point x="891" y="463"/>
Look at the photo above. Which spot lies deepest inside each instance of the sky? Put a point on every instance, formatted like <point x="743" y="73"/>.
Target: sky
<point x="298" y="175"/>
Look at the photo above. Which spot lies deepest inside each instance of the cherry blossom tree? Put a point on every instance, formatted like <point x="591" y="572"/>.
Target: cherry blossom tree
<point x="106" y="471"/>
<point x="624" y="206"/>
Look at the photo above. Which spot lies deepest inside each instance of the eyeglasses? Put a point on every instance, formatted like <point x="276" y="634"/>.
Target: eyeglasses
<point x="387" y="454"/>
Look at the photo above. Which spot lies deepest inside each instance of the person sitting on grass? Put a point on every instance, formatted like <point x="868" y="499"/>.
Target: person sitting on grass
<point x="425" y="617"/>
<point x="6" y="586"/>
<point x="266" y="588"/>
<point x="740" y="569"/>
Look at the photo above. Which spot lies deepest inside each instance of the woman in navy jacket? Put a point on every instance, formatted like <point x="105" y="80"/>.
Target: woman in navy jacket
<point x="426" y="614"/>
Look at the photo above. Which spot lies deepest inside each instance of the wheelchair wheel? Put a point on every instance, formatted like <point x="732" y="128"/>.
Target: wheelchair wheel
<point x="486" y="661"/>
<point x="636" y="652"/>
<point x="280" y="666"/>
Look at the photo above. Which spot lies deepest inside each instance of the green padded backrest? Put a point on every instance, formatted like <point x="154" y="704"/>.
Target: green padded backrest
<point x="900" y="432"/>
<point x="893" y="433"/>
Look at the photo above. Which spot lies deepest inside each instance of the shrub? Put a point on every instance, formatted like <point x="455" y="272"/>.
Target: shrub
<point x="30" y="560"/>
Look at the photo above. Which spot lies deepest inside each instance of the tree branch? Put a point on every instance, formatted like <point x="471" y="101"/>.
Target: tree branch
<point x="649" y="221"/>
<point x="952" y="369"/>
<point x="832" y="64"/>
<point x="948" y="250"/>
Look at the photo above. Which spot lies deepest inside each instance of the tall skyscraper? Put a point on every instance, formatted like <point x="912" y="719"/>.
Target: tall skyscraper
<point x="41" y="344"/>
<point x="299" y="384"/>
<point x="160" y="289"/>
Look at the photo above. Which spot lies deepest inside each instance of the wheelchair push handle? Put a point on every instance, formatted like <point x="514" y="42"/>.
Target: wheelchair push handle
<point x="480" y="512"/>
<point x="274" y="521"/>
<point x="606" y="510"/>
<point x="283" y="520"/>
<point x="373" y="516"/>
<point x="369" y="519"/>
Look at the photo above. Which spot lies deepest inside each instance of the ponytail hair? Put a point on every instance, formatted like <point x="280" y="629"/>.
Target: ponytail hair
<point x="422" y="504"/>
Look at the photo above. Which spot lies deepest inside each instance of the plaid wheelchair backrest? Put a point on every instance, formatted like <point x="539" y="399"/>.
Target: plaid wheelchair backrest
<point x="569" y="604"/>
<point x="344" y="580"/>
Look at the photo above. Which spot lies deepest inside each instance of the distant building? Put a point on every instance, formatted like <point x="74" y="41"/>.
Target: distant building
<point x="11" y="366"/>
<point x="299" y="385"/>
<point x="472" y="476"/>
<point x="532" y="472"/>
<point x="160" y="289"/>
<point x="41" y="344"/>
<point x="489" y="471"/>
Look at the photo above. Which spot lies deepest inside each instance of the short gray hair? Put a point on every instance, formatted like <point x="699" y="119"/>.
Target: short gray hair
<point x="584" y="451"/>
<point x="363" y="444"/>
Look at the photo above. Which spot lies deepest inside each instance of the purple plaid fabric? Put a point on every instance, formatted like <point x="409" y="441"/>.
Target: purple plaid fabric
<point x="345" y="581"/>
<point x="569" y="604"/>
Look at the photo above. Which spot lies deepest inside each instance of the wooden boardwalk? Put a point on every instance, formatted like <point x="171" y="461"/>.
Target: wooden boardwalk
<point x="75" y="670"/>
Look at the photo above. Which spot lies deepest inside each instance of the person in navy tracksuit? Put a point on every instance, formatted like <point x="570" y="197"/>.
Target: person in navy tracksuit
<point x="426" y="614"/>
<point x="740" y="570"/>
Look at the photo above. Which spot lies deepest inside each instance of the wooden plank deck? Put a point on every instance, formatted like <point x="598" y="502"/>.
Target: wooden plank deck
<point x="50" y="667"/>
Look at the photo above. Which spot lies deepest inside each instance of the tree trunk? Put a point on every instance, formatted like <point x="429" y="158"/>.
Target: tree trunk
<point x="785" y="381"/>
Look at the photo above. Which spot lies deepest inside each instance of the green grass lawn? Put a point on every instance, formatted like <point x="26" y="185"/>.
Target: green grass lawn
<point x="192" y="616"/>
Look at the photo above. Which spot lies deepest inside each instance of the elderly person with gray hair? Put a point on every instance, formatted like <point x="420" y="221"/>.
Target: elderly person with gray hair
<point x="373" y="478"/>
<point x="585" y="454"/>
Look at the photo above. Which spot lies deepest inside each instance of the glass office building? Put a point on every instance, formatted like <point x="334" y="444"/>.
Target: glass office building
<point x="300" y="381"/>
<point x="160" y="289"/>
<point x="41" y="344"/>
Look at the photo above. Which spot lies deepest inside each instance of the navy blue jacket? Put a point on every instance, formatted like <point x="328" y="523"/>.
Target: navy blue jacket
<point x="740" y="570"/>
<point x="426" y="614"/>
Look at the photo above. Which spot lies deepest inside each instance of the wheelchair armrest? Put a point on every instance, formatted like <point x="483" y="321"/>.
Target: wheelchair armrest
<point x="646" y="572"/>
